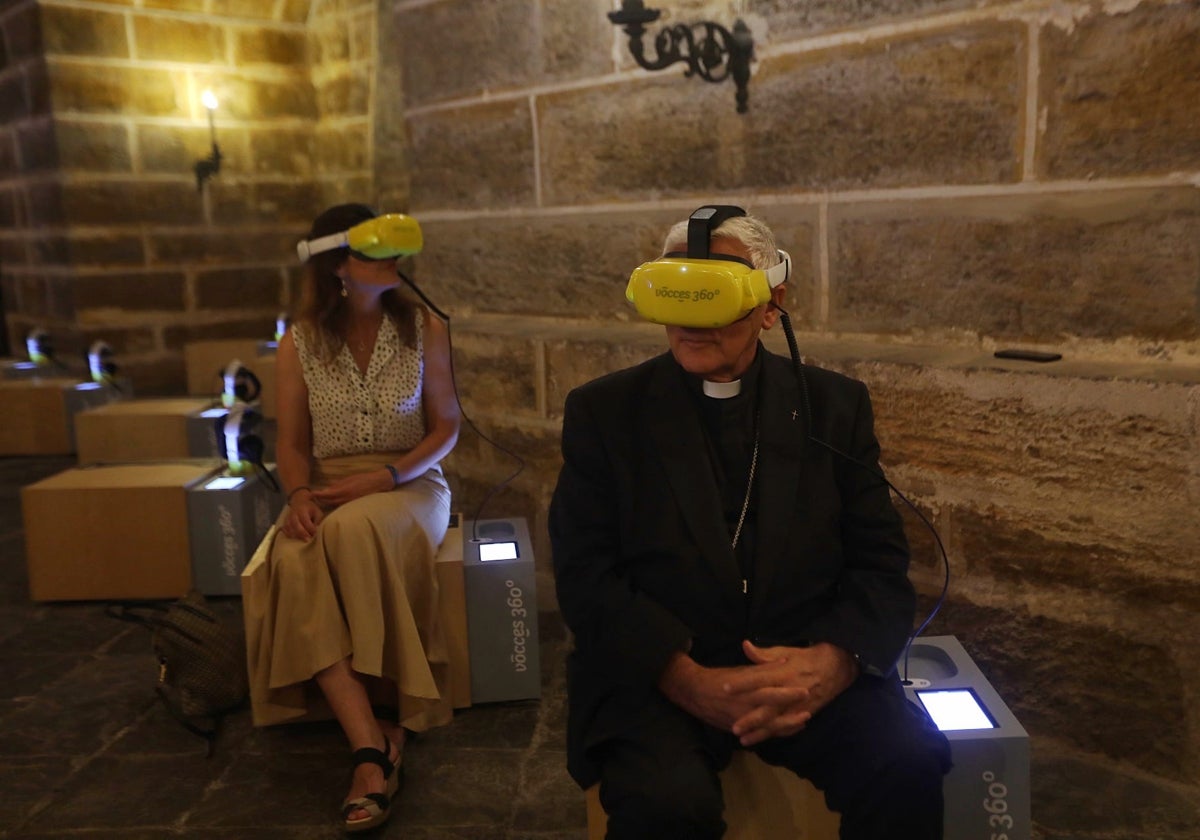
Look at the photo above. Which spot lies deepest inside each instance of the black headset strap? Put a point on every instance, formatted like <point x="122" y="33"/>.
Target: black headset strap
<point x="703" y="222"/>
<point x="726" y="257"/>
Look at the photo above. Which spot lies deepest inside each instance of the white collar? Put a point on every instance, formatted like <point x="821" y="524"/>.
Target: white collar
<point x="722" y="390"/>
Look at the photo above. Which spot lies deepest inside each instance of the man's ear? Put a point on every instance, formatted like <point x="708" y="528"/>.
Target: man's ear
<point x="771" y="315"/>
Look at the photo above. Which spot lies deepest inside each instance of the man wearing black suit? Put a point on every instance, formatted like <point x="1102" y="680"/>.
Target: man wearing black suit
<point x="732" y="583"/>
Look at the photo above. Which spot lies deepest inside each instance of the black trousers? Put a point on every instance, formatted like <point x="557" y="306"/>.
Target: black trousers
<point x="877" y="758"/>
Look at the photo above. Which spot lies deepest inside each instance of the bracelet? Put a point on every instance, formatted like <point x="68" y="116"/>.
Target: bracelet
<point x="395" y="475"/>
<point x="297" y="490"/>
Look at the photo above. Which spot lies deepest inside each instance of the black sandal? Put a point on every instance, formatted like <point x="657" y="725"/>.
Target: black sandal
<point x="377" y="805"/>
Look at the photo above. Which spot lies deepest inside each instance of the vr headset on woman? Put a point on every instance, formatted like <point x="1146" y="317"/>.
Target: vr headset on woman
<point x="385" y="237"/>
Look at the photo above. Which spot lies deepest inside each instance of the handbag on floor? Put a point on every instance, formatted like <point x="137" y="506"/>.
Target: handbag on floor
<point x="201" y="661"/>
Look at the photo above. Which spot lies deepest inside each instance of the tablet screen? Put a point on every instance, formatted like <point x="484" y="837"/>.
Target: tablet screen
<point x="954" y="709"/>
<point x="497" y="551"/>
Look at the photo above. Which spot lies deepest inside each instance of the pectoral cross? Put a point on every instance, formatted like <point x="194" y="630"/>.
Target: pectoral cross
<point x="793" y="414"/>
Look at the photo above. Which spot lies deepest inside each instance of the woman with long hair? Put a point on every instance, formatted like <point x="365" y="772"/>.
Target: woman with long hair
<point x="366" y="411"/>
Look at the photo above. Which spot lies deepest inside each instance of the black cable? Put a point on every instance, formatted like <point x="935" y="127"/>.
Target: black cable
<point x="496" y="488"/>
<point x="804" y="396"/>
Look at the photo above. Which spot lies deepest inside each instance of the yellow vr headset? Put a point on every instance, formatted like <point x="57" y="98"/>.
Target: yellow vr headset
<point x="384" y="237"/>
<point x="698" y="289"/>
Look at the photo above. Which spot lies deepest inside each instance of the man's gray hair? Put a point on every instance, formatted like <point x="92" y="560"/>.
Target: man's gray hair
<point x="751" y="231"/>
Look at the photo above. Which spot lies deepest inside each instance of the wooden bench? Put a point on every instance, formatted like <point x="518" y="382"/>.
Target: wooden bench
<point x="762" y="802"/>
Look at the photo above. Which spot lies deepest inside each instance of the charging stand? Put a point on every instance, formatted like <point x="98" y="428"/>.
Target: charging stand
<point x="987" y="790"/>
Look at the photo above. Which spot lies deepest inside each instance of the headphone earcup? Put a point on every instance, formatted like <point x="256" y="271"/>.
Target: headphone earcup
<point x="247" y="386"/>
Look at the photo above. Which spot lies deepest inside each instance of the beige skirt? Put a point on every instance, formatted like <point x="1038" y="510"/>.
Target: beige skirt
<point x="363" y="587"/>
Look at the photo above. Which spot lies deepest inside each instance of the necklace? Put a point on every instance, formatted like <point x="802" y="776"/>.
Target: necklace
<point x="737" y="534"/>
<point x="360" y="340"/>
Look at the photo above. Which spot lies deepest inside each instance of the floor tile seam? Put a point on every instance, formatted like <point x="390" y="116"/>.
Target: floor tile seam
<point x="64" y="783"/>
<point x="217" y="784"/>
<point x="528" y="755"/>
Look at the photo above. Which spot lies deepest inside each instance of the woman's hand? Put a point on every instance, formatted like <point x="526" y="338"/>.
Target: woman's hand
<point x="304" y="515"/>
<point x="352" y="487"/>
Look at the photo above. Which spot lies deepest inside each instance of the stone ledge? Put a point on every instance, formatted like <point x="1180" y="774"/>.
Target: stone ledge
<point x="827" y="350"/>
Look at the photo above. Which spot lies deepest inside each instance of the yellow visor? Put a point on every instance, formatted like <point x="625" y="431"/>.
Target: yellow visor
<point x="385" y="237"/>
<point x="683" y="292"/>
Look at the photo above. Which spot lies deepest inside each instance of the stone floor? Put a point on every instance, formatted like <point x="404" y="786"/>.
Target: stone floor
<point x="86" y="749"/>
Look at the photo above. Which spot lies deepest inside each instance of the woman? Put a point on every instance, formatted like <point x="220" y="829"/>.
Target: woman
<point x="366" y="411"/>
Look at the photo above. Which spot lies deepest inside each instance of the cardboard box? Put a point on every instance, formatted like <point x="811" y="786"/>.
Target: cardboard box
<point x="20" y="369"/>
<point x="111" y="532"/>
<point x="146" y="430"/>
<point x="228" y="517"/>
<point x="38" y="415"/>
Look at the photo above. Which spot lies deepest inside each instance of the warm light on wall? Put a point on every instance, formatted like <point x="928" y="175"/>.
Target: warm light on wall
<point x="211" y="165"/>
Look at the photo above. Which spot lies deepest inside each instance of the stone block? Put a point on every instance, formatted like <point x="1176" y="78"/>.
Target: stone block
<point x="1101" y="266"/>
<point x="14" y="98"/>
<point x="571" y="363"/>
<point x="476" y="157"/>
<point x="124" y="91"/>
<point x="936" y="109"/>
<point x="1013" y="548"/>
<point x="342" y="148"/>
<point x="1076" y="796"/>
<point x="249" y="9"/>
<point x="238" y="288"/>
<point x="22" y="31"/>
<point x="177" y="336"/>
<point x="788" y="20"/>
<point x="162" y="376"/>
<point x="269" y="46"/>
<point x="461" y="48"/>
<point x="125" y="340"/>
<point x="92" y="147"/>
<point x="574" y="265"/>
<point x="83" y="32"/>
<point x="8" y="209"/>
<point x="42" y="204"/>
<point x="175" y="149"/>
<point x="362" y="33"/>
<point x="220" y="247"/>
<point x="283" y="151"/>
<point x="1090" y="460"/>
<point x="173" y="5"/>
<point x="328" y="42"/>
<point x="160" y="38"/>
<point x="101" y="250"/>
<point x="144" y="291"/>
<point x="36" y="141"/>
<point x="264" y="99"/>
<point x="345" y="95"/>
<point x="497" y="375"/>
<point x="138" y="202"/>
<point x="294" y="11"/>
<point x="8" y="153"/>
<point x="1087" y="685"/>
<point x="1121" y="93"/>
<point x="288" y="203"/>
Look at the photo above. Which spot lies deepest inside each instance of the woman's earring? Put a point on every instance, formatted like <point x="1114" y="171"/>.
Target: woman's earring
<point x="344" y="292"/>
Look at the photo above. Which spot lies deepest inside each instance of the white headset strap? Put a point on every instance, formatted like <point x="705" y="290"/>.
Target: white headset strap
<point x="781" y="271"/>
<point x="307" y="247"/>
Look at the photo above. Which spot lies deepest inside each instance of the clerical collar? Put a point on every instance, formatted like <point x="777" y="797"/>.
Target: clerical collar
<point x="722" y="390"/>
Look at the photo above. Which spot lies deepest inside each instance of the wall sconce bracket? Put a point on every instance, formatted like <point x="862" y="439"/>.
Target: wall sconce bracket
<point x="709" y="50"/>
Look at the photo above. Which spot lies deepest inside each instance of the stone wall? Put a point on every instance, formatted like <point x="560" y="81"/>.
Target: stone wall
<point x="111" y="238"/>
<point x="952" y="177"/>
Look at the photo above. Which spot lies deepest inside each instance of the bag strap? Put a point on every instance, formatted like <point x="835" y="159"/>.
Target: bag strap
<point x="209" y="734"/>
<point x="132" y="611"/>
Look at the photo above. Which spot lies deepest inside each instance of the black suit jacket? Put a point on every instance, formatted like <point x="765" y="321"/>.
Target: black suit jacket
<point x="642" y="556"/>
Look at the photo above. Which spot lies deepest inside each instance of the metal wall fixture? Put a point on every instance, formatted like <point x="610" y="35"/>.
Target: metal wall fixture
<point x="211" y="165"/>
<point x="710" y="50"/>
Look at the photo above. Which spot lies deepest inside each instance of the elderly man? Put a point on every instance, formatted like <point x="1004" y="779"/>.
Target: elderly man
<point x="730" y="564"/>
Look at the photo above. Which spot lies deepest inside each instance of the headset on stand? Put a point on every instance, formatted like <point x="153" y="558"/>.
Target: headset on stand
<point x="101" y="365"/>
<point x="240" y="445"/>
<point x="39" y="344"/>
<point x="238" y="384"/>
<point x="392" y="236"/>
<point x="700" y="289"/>
<point x="282" y="322"/>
